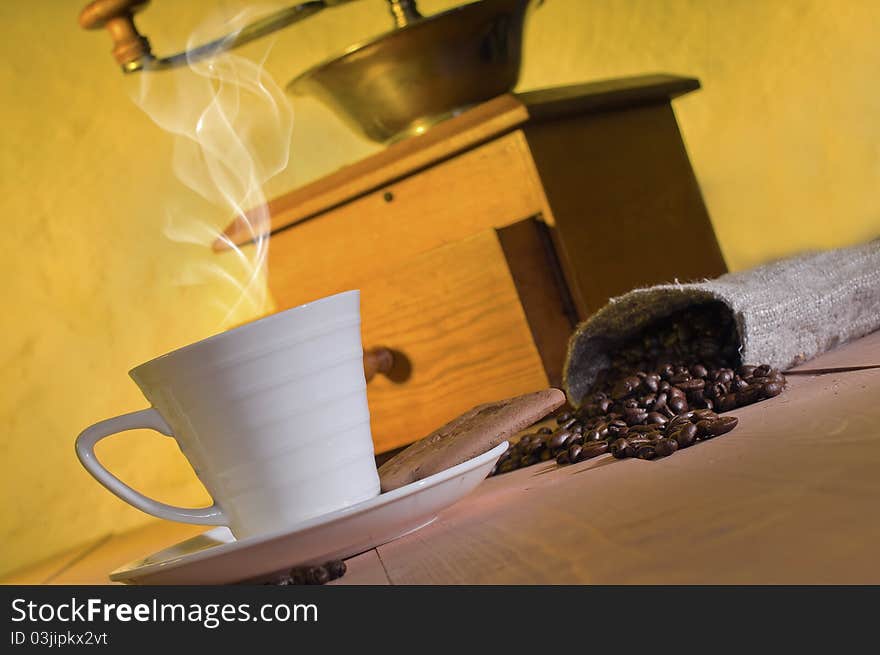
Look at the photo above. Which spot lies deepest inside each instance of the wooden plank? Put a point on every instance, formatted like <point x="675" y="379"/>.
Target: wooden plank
<point x="789" y="497"/>
<point x="626" y="205"/>
<point x="604" y="95"/>
<point x="364" y="569"/>
<point x="478" y="125"/>
<point x="861" y="352"/>
<point x="44" y="571"/>
<point x="542" y="291"/>
<point x="373" y="236"/>
<point x="455" y="313"/>
<point x="395" y="162"/>
<point x="94" y="567"/>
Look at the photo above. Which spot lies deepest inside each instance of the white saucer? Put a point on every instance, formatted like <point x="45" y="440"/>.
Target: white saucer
<point x="215" y="557"/>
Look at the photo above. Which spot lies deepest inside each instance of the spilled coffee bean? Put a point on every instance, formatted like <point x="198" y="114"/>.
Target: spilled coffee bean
<point x="663" y="391"/>
<point x="312" y="575"/>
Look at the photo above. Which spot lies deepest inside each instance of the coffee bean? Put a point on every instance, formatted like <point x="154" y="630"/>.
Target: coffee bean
<point x="704" y="429"/>
<point x="771" y="389"/>
<point x="689" y="386"/>
<point x="674" y="392"/>
<point x="619" y="448"/>
<point x="559" y="439"/>
<point x="534" y="446"/>
<point x="726" y="403"/>
<point x="665" y="447"/>
<point x="761" y="371"/>
<point x="593" y="450"/>
<point x="749" y="395"/>
<point x="684" y="435"/>
<point x="679" y="420"/>
<point x="699" y="371"/>
<point x="720" y="425"/>
<point x="725" y="376"/>
<point x="658" y="387"/>
<point x="642" y="429"/>
<point x="317" y="575"/>
<point x="592" y="435"/>
<point x="508" y="466"/>
<point x="660" y="401"/>
<point x="775" y="374"/>
<point x="638" y="440"/>
<point x="738" y="384"/>
<point x="565" y="425"/>
<point x="562" y="458"/>
<point x="635" y="415"/>
<point x="545" y="430"/>
<point x="746" y="370"/>
<point x="715" y="390"/>
<point x="646" y="451"/>
<point x="336" y="569"/>
<point x="297" y="576"/>
<point x="656" y="418"/>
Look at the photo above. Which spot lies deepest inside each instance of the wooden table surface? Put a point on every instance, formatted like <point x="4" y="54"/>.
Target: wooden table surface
<point x="791" y="496"/>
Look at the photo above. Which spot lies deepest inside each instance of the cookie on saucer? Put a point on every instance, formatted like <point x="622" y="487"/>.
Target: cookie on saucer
<point x="469" y="435"/>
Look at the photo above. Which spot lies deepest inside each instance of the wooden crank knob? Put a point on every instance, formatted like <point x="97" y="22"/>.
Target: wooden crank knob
<point x="118" y="17"/>
<point x="377" y="360"/>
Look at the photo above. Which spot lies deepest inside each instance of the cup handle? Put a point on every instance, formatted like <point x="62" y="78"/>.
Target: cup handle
<point x="150" y="419"/>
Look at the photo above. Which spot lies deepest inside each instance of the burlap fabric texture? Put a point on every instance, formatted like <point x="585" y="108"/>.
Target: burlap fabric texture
<point x="786" y="312"/>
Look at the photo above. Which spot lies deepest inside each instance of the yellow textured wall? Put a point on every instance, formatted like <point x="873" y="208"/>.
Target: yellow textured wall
<point x="784" y="138"/>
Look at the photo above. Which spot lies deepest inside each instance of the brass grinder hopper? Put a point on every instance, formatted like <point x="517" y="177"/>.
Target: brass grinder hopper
<point x="426" y="69"/>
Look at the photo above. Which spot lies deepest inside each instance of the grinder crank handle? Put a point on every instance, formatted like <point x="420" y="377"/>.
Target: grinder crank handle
<point x="132" y="50"/>
<point x="393" y="364"/>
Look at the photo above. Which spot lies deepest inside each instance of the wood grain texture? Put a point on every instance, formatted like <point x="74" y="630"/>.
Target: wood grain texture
<point x="455" y="313"/>
<point x="43" y="572"/>
<point x="363" y="569"/>
<point x="372" y="236"/>
<point x="95" y="566"/>
<point x="395" y="162"/>
<point x="789" y="497"/>
<point x="604" y="95"/>
<point x="542" y="291"/>
<point x="487" y="121"/>
<point x="625" y="203"/>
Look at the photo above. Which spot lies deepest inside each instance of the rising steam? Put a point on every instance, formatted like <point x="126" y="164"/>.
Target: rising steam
<point x="232" y="127"/>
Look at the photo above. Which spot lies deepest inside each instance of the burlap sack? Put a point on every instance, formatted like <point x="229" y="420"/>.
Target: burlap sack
<point x="785" y="312"/>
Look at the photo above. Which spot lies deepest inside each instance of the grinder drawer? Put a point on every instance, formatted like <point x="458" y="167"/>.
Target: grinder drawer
<point x="455" y="314"/>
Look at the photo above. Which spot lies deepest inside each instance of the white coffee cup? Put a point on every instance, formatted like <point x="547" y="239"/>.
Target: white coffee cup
<point x="271" y="415"/>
